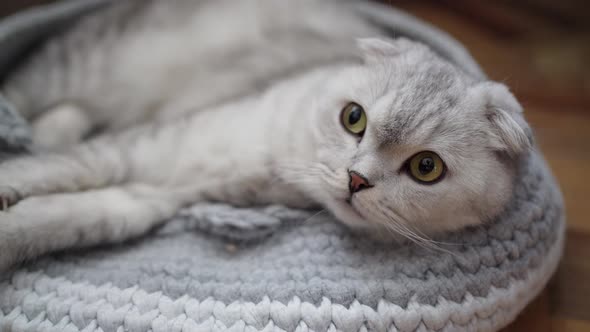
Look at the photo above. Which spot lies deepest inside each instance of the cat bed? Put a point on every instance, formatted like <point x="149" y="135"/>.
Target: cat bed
<point x="216" y="267"/>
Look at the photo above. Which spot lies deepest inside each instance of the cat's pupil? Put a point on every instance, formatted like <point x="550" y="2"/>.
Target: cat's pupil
<point x="426" y="165"/>
<point x="354" y="116"/>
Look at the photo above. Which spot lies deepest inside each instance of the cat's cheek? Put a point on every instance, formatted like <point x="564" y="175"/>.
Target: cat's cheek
<point x="335" y="158"/>
<point x="449" y="213"/>
<point x="495" y="200"/>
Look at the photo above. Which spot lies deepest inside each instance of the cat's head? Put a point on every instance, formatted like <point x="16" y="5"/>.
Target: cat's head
<point x="410" y="143"/>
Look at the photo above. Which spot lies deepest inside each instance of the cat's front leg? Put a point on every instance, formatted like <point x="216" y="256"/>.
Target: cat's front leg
<point x="78" y="169"/>
<point x="39" y="225"/>
<point x="136" y="155"/>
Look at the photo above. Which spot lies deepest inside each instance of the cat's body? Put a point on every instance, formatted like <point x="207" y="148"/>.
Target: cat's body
<point x="167" y="141"/>
<point x="156" y="60"/>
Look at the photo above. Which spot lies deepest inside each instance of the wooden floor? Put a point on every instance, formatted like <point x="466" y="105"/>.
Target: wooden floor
<point x="541" y="49"/>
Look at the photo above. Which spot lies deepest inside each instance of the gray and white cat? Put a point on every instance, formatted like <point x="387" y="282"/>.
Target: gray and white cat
<point x="126" y="112"/>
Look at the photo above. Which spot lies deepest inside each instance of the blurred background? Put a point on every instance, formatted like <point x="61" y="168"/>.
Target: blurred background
<point x="541" y="49"/>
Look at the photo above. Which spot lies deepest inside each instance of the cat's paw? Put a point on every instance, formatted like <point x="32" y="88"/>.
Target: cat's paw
<point x="8" y="197"/>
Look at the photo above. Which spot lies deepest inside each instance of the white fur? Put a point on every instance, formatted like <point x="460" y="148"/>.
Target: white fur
<point x="285" y="145"/>
<point x="64" y="125"/>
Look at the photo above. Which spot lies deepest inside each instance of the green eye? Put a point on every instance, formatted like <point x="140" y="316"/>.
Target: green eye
<point x="426" y="167"/>
<point x="354" y="119"/>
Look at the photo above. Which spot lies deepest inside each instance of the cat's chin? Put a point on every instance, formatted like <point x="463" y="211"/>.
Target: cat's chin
<point x="361" y="226"/>
<point x="348" y="215"/>
<point x="351" y="217"/>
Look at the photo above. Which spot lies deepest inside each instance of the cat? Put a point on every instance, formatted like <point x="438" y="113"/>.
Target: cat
<point x="389" y="137"/>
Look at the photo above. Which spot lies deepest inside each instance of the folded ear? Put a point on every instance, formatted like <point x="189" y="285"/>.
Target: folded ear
<point x="374" y="49"/>
<point x="509" y="130"/>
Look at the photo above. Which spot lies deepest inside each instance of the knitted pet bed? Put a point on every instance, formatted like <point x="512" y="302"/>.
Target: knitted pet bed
<point x="215" y="267"/>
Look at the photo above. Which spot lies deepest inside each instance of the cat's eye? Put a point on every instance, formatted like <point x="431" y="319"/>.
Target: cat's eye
<point x="426" y="167"/>
<point x="354" y="119"/>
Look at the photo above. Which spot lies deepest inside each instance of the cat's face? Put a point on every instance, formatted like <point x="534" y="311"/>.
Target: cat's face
<point x="409" y="143"/>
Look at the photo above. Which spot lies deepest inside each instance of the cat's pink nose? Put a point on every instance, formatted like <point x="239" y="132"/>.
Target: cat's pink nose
<point x="357" y="182"/>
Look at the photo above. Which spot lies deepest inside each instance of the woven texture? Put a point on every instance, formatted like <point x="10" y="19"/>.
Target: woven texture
<point x="310" y="274"/>
<point x="215" y="267"/>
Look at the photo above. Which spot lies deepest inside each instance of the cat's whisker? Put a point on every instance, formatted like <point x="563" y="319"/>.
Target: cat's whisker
<point x="398" y="228"/>
<point x="313" y="216"/>
<point x="422" y="241"/>
<point x="417" y="232"/>
<point x="394" y="228"/>
<point x="420" y="234"/>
